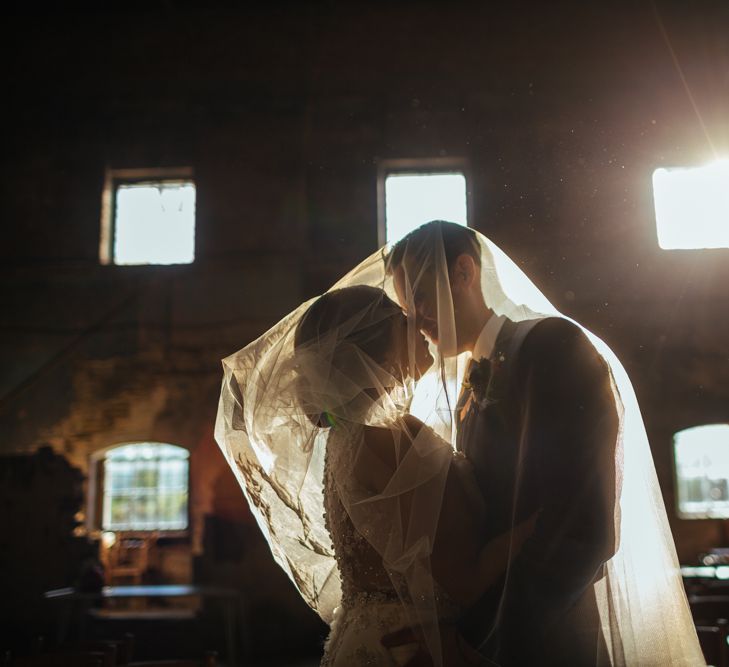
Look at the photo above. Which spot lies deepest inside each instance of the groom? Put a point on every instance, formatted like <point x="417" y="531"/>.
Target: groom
<point x="539" y="422"/>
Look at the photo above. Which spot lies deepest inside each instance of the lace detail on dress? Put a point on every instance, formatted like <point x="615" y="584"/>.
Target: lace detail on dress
<point x="370" y="606"/>
<point x="360" y="566"/>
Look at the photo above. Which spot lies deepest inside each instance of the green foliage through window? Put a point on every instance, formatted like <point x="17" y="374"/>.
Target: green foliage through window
<point x="146" y="487"/>
<point x="702" y="471"/>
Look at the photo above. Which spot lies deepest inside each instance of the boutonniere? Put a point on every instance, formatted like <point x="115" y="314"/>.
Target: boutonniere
<point x="480" y="381"/>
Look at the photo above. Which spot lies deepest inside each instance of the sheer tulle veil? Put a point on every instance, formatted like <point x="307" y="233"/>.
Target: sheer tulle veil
<point x="282" y="398"/>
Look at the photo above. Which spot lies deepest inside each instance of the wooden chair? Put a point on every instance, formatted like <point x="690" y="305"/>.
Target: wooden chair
<point x="128" y="559"/>
<point x="713" y="640"/>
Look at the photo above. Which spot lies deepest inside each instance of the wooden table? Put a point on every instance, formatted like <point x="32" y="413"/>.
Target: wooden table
<point x="227" y="598"/>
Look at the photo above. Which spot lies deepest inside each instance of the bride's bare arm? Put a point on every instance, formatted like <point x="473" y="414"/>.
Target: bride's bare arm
<point x="384" y="449"/>
<point x="462" y="564"/>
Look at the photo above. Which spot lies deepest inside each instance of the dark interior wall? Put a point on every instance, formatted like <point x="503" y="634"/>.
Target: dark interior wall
<point x="563" y="111"/>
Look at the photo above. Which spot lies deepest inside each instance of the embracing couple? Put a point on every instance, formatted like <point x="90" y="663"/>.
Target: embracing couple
<point x="458" y="449"/>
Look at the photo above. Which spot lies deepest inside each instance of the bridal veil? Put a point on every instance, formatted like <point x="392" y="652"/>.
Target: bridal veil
<point x="282" y="396"/>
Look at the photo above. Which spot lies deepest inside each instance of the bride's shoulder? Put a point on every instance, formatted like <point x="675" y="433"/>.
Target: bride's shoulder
<point x="384" y="448"/>
<point x="405" y="428"/>
<point x="389" y="443"/>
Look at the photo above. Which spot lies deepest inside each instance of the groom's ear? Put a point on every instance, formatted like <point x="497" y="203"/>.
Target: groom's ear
<point x="463" y="273"/>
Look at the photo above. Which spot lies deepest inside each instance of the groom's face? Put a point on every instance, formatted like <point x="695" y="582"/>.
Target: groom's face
<point x="410" y="350"/>
<point x="417" y="297"/>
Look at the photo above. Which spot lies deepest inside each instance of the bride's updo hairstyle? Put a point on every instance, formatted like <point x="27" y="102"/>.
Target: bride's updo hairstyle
<point x="343" y="345"/>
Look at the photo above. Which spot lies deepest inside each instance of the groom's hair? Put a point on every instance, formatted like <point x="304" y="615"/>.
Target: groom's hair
<point x="418" y="245"/>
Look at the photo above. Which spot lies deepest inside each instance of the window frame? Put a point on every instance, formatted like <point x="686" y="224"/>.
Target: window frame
<point x="95" y="497"/>
<point x="419" y="167"/>
<point x="113" y="179"/>
<point x="680" y="513"/>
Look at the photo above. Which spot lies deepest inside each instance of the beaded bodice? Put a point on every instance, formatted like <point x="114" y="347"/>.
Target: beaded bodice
<point x="374" y="601"/>
<point x="362" y="573"/>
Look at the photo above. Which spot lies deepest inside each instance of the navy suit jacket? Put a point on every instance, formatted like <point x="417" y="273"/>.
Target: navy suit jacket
<point x="545" y="442"/>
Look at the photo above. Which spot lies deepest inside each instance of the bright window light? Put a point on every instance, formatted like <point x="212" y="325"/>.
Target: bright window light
<point x="692" y="206"/>
<point x="145" y="487"/>
<point x="154" y="223"/>
<point x="702" y="471"/>
<point x="413" y="199"/>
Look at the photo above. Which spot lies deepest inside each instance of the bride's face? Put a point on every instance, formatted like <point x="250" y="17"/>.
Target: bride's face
<point x="410" y="351"/>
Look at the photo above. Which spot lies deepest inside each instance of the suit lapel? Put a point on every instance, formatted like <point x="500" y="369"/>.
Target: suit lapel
<point x="466" y="410"/>
<point x="464" y="397"/>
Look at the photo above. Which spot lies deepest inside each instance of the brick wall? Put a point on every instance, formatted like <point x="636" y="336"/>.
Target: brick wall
<point x="563" y="111"/>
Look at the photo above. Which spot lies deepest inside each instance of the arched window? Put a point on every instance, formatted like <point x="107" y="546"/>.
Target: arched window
<point x="702" y="471"/>
<point x="145" y="487"/>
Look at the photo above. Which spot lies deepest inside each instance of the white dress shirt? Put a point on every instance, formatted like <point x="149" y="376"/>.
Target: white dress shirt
<point x="486" y="340"/>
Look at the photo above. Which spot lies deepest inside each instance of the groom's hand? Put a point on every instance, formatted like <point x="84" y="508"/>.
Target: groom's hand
<point x="456" y="651"/>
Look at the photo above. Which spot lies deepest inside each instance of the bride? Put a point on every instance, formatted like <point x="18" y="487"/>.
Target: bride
<point x="356" y="338"/>
<point x="340" y="424"/>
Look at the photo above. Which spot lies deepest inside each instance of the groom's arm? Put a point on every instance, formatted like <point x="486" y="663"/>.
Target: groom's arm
<point x="569" y="438"/>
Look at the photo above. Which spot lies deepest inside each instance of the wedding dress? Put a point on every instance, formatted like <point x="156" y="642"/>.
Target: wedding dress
<point x="370" y="606"/>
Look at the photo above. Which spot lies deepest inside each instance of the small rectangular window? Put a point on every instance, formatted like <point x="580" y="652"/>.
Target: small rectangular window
<point x="148" y="217"/>
<point x="702" y="471"/>
<point x="692" y="206"/>
<point x="413" y="192"/>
